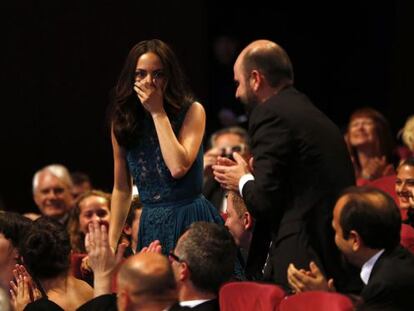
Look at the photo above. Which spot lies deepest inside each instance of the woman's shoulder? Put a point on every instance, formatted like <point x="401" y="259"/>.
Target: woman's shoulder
<point x="195" y="108"/>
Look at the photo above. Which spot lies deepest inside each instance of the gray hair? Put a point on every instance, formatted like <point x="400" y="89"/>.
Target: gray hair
<point x="57" y="170"/>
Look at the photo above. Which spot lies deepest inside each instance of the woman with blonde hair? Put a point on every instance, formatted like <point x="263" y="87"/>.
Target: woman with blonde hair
<point x="91" y="206"/>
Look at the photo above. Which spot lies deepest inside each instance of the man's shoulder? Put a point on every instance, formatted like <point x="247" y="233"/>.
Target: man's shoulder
<point x="393" y="271"/>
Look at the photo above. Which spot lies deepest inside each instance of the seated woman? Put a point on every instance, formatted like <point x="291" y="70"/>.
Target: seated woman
<point x="404" y="187"/>
<point x="13" y="227"/>
<point x="90" y="206"/>
<point x="46" y="255"/>
<point x="370" y="144"/>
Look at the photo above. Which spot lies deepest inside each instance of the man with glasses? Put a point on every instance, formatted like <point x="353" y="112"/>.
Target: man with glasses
<point x="202" y="261"/>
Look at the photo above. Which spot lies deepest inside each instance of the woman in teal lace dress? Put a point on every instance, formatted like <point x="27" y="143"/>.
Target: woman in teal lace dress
<point x="157" y="131"/>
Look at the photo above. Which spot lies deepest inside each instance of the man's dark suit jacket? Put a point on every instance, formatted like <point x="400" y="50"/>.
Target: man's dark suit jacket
<point x="300" y="166"/>
<point x="391" y="284"/>
<point x="213" y="192"/>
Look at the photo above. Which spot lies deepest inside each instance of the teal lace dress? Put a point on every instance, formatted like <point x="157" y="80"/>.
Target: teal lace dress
<point x="169" y="205"/>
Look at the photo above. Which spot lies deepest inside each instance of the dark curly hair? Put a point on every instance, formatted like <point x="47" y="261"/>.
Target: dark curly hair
<point x="46" y="249"/>
<point x="14" y="226"/>
<point x="127" y="113"/>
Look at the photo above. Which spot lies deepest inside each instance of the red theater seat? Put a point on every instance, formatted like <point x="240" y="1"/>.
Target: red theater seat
<point x="250" y="296"/>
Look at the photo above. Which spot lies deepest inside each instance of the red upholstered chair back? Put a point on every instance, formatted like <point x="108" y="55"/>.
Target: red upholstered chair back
<point x="316" y="301"/>
<point x="407" y="237"/>
<point x="386" y="184"/>
<point x="75" y="263"/>
<point x="248" y="296"/>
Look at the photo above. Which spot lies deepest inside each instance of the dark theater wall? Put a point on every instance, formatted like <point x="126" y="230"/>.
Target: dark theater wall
<point x="62" y="58"/>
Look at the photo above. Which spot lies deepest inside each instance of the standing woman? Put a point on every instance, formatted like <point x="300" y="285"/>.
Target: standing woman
<point x="157" y="130"/>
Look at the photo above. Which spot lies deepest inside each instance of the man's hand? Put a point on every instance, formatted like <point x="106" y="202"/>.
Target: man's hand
<point x="228" y="172"/>
<point x="302" y="280"/>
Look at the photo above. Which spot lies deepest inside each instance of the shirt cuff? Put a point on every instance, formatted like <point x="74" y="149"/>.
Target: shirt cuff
<point x="243" y="180"/>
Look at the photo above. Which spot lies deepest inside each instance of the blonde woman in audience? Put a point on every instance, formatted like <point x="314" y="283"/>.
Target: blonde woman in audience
<point x="91" y="206"/>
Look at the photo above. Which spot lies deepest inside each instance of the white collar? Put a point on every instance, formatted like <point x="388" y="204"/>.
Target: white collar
<point x="192" y="303"/>
<point x="367" y="267"/>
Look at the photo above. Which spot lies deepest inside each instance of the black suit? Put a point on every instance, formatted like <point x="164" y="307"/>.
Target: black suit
<point x="214" y="192"/>
<point x="300" y="165"/>
<point x="391" y="283"/>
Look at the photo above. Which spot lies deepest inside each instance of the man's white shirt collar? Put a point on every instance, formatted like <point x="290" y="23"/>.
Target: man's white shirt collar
<point x="367" y="267"/>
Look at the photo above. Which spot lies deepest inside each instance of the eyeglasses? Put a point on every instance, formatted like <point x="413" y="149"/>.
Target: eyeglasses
<point x="173" y="257"/>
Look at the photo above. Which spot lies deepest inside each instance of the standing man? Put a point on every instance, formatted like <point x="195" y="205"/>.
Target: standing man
<point x="300" y="165"/>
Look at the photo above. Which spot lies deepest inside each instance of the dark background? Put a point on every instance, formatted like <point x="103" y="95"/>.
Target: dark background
<point x="60" y="59"/>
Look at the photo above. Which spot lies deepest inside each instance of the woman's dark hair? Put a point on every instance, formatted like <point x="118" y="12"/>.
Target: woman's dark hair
<point x="46" y="249"/>
<point x="14" y="227"/>
<point x="127" y="112"/>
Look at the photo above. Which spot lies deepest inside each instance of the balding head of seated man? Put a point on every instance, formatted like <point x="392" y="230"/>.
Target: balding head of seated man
<point x="146" y="282"/>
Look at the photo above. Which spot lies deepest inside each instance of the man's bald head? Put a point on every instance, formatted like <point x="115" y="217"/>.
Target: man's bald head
<point x="372" y="213"/>
<point x="269" y="59"/>
<point x="147" y="276"/>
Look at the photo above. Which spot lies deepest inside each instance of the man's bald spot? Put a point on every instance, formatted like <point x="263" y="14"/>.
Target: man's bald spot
<point x="147" y="272"/>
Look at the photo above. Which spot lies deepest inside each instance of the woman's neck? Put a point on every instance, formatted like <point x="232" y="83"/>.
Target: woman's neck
<point x="56" y="284"/>
<point x="365" y="153"/>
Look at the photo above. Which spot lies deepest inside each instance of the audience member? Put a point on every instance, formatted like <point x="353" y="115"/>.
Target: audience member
<point x="81" y="184"/>
<point x="300" y="165"/>
<point x="90" y="206"/>
<point x="404" y="187"/>
<point x="240" y="223"/>
<point x="52" y="192"/>
<point x="202" y="261"/>
<point x="145" y="281"/>
<point x="13" y="228"/>
<point x="367" y="226"/>
<point x="4" y="300"/>
<point x="370" y="144"/>
<point x="46" y="254"/>
<point x="130" y="231"/>
<point x="223" y="143"/>
<point x="407" y="136"/>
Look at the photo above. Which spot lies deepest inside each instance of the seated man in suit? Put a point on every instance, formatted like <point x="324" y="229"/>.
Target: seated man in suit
<point x="240" y="223"/>
<point x="367" y="226"/>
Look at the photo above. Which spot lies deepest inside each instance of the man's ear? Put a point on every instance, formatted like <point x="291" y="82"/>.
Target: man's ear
<point x="184" y="273"/>
<point x="356" y="240"/>
<point x="256" y="80"/>
<point x="248" y="221"/>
